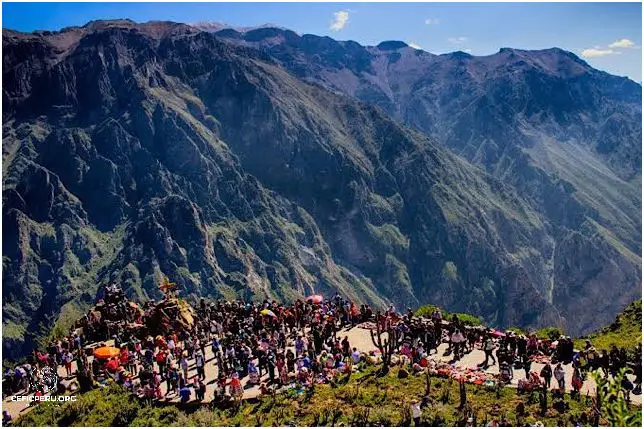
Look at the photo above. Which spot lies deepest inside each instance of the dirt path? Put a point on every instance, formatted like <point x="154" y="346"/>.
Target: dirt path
<point x="359" y="338"/>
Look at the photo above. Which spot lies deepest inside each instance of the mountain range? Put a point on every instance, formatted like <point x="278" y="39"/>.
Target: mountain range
<point x="264" y="164"/>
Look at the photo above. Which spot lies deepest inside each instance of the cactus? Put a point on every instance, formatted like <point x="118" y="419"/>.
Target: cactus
<point x="462" y="394"/>
<point x="387" y="346"/>
<point x="428" y="383"/>
<point x="543" y="400"/>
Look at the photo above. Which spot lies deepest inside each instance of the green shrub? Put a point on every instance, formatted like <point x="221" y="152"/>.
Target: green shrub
<point x="468" y="319"/>
<point x="614" y="407"/>
<point x="550" y="332"/>
<point x="427" y="310"/>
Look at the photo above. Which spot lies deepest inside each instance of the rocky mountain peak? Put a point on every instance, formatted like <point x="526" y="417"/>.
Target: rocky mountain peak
<point x="391" y="45"/>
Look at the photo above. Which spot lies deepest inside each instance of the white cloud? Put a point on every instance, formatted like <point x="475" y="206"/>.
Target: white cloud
<point x="457" y="40"/>
<point x="469" y="51"/>
<point x="622" y="43"/>
<point x="597" y="52"/>
<point x="612" y="49"/>
<point x="432" y="21"/>
<point x="413" y="45"/>
<point x="340" y="20"/>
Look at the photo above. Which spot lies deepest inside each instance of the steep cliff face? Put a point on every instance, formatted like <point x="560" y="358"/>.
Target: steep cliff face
<point x="533" y="118"/>
<point x="567" y="137"/>
<point x="118" y="174"/>
<point x="132" y="151"/>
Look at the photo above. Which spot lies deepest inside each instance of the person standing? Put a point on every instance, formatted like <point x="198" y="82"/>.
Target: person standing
<point x="416" y="411"/>
<point x="68" y="358"/>
<point x="604" y="362"/>
<point x="196" y="384"/>
<point x="560" y="376"/>
<point x="577" y="382"/>
<point x="457" y="339"/>
<point x="527" y="364"/>
<point x="131" y="363"/>
<point x="183" y="363"/>
<point x="271" y="367"/>
<point x="546" y="373"/>
<point x="171" y="379"/>
<point x="488" y="348"/>
<point x="161" y="358"/>
<point x="346" y="347"/>
<point x="200" y="363"/>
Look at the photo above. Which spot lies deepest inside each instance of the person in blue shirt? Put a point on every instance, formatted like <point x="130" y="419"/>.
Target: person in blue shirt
<point x="184" y="393"/>
<point x="78" y="341"/>
<point x="253" y="373"/>
<point x="306" y="362"/>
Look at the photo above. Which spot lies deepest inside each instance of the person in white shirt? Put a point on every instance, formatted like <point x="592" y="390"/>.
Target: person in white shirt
<point x="355" y="356"/>
<point x="68" y="358"/>
<point x="457" y="341"/>
<point x="416" y="412"/>
<point x="488" y="348"/>
<point x="183" y="363"/>
<point x="560" y="376"/>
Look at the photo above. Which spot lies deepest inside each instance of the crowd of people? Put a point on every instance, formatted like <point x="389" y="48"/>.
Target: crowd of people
<point x="298" y="343"/>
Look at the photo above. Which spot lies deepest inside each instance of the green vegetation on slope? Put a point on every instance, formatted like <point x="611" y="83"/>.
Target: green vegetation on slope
<point x="362" y="398"/>
<point x="427" y="310"/>
<point x="625" y="332"/>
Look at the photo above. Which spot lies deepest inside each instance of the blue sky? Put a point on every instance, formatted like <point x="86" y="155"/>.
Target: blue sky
<point x="607" y="35"/>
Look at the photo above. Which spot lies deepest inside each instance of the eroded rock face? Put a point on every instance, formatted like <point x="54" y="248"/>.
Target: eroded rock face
<point x="567" y="137"/>
<point x="132" y="151"/>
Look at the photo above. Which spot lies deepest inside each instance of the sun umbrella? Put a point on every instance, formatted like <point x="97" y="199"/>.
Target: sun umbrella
<point x="315" y="299"/>
<point x="497" y="333"/>
<point x="267" y="312"/>
<point x="106" y="352"/>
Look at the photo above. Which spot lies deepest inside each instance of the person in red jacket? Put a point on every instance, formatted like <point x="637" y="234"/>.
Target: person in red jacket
<point x="161" y="358"/>
<point x="124" y="356"/>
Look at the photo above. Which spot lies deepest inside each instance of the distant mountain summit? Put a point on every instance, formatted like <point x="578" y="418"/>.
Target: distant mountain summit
<point x="392" y="45"/>
<point x="218" y="26"/>
<point x="262" y="164"/>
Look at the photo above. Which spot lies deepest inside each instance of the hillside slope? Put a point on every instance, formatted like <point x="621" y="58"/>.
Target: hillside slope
<point x="364" y="400"/>
<point x="524" y="115"/>
<point x="133" y="151"/>
<point x="625" y="332"/>
<point x="567" y="137"/>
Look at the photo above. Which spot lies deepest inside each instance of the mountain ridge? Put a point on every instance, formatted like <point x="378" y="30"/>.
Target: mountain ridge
<point x="133" y="151"/>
